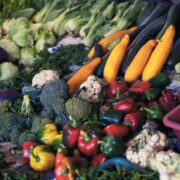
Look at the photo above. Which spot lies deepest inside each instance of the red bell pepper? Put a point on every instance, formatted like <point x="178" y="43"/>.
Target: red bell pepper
<point x="134" y="120"/>
<point x="140" y="87"/>
<point x="87" y="145"/>
<point x="167" y="101"/>
<point x="98" y="159"/>
<point x="117" y="130"/>
<point x="140" y="104"/>
<point x="114" y="87"/>
<point x="126" y="105"/>
<point x="26" y="151"/>
<point x="70" y="135"/>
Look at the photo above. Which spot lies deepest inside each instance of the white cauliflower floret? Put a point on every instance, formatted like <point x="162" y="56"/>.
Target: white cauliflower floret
<point x="92" y="89"/>
<point x="44" y="77"/>
<point x="157" y="141"/>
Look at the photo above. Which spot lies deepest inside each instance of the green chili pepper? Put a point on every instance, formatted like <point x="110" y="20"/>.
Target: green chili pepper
<point x="112" y="146"/>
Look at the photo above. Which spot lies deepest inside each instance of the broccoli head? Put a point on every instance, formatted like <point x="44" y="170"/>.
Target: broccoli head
<point x="4" y="106"/>
<point x="53" y="97"/>
<point x="26" y="136"/>
<point x="78" y="108"/>
<point x="9" y="121"/>
<point x="14" y="136"/>
<point x="39" y="123"/>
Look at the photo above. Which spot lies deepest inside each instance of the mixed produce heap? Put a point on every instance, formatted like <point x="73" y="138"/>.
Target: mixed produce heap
<point x="106" y="118"/>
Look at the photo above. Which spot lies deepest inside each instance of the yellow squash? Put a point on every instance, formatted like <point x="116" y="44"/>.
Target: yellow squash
<point x="115" y="59"/>
<point x="159" y="55"/>
<point x="137" y="65"/>
<point x="105" y="41"/>
<point x="42" y="158"/>
<point x="82" y="74"/>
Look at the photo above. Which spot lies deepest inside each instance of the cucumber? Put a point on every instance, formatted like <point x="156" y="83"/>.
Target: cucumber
<point x="145" y="12"/>
<point x="174" y="57"/>
<point x="149" y="32"/>
<point x="99" y="70"/>
<point x="160" y="10"/>
<point x="172" y="19"/>
<point x="28" y="13"/>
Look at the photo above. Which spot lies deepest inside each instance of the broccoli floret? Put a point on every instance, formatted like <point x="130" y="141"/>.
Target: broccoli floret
<point x="39" y="123"/>
<point x="78" y="108"/>
<point x="9" y="121"/>
<point x="4" y="106"/>
<point x="14" y="136"/>
<point x="26" y="136"/>
<point x="53" y="97"/>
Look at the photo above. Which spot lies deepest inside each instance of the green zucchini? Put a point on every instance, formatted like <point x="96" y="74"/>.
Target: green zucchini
<point x="149" y="32"/>
<point x="160" y="10"/>
<point x="174" y="57"/>
<point x="173" y="18"/>
<point x="145" y="12"/>
<point x="99" y="70"/>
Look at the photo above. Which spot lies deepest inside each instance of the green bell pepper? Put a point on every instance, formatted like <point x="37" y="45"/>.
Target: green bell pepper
<point x="152" y="93"/>
<point x="110" y="116"/>
<point x="112" y="146"/>
<point x="160" y="81"/>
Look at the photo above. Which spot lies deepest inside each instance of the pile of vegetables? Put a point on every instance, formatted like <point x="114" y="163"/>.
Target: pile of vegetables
<point x="75" y="113"/>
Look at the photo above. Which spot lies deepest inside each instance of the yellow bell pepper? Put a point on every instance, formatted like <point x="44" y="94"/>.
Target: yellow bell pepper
<point x="57" y="141"/>
<point x="48" y="133"/>
<point x="42" y="158"/>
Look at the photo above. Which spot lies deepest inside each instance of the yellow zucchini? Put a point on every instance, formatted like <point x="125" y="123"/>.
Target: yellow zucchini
<point x="115" y="59"/>
<point x="159" y="55"/>
<point x="137" y="65"/>
<point x="112" y="37"/>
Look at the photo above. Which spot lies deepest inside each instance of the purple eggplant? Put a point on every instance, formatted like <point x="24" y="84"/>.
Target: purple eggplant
<point x="10" y="94"/>
<point x="3" y="55"/>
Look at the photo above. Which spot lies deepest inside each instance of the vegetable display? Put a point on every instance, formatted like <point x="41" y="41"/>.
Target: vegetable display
<point x="94" y="110"/>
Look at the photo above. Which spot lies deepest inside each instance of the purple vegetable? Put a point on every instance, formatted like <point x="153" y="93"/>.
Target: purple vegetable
<point x="10" y="94"/>
<point x="3" y="55"/>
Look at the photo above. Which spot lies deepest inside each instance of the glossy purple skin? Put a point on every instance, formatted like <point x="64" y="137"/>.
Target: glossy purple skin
<point x="10" y="94"/>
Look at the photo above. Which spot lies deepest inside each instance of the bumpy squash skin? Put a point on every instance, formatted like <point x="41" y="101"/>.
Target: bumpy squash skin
<point x="115" y="59"/>
<point x="137" y="65"/>
<point x="159" y="55"/>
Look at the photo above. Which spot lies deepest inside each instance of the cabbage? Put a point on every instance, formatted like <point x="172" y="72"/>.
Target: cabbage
<point x="6" y="25"/>
<point x="8" y="71"/>
<point x="23" y="38"/>
<point x="28" y="55"/>
<point x="17" y="25"/>
<point x="45" y="38"/>
<point x="11" y="47"/>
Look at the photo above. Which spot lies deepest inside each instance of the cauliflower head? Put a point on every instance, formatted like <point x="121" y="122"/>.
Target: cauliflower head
<point x="92" y="90"/>
<point x="44" y="77"/>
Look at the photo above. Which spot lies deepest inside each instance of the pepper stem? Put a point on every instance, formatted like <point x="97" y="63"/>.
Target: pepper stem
<point x="86" y="136"/>
<point x="148" y="110"/>
<point x="118" y="93"/>
<point x="34" y="156"/>
<point x="127" y="122"/>
<point x="100" y="142"/>
<point x="73" y="123"/>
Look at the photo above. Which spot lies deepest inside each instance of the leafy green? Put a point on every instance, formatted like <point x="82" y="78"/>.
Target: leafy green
<point x="117" y="174"/>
